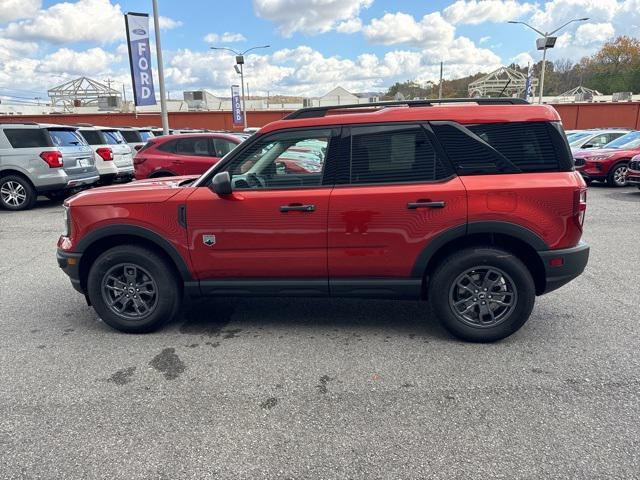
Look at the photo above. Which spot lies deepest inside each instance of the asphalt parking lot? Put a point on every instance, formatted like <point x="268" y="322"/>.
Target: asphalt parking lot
<point x="290" y="388"/>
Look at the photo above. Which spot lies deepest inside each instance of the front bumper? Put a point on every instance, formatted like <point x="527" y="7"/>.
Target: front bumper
<point x="562" y="266"/>
<point x="70" y="264"/>
<point x="633" y="178"/>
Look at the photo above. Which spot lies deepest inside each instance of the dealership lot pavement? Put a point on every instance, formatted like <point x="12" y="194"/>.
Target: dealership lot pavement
<point x="290" y="388"/>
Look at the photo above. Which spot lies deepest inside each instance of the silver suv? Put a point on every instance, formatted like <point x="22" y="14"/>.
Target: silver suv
<point x="42" y="159"/>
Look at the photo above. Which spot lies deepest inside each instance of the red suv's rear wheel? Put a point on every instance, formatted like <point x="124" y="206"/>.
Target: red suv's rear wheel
<point x="133" y="289"/>
<point x="482" y="294"/>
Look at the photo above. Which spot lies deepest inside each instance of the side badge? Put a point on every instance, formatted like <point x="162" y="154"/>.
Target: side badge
<point x="209" y="240"/>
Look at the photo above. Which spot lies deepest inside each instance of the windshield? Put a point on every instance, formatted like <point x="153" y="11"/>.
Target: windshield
<point x="575" y="138"/>
<point x="113" y="137"/>
<point x="66" y="138"/>
<point x="630" y="140"/>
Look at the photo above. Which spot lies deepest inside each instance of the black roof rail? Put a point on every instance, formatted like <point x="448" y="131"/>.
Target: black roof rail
<point x="312" y="112"/>
<point x="83" y="125"/>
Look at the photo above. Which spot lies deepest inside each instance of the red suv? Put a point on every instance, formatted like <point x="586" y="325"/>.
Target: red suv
<point x="633" y="174"/>
<point x="474" y="207"/>
<point x="609" y="163"/>
<point x="185" y="154"/>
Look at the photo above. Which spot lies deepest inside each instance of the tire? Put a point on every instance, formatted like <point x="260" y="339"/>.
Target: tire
<point x="588" y="181"/>
<point x="138" y="313"/>
<point x="17" y="193"/>
<point x="449" y="290"/>
<point x="616" y="177"/>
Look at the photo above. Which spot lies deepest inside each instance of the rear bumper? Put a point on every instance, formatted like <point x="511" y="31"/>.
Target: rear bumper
<point x="573" y="262"/>
<point x="70" y="264"/>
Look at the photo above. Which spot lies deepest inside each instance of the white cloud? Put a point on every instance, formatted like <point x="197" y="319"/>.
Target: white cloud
<point x="523" y="59"/>
<point x="226" y="37"/>
<point x="85" y="20"/>
<point x="474" y="12"/>
<point x="167" y="23"/>
<point x="398" y="28"/>
<point x="10" y="49"/>
<point x="308" y="16"/>
<point x="484" y="39"/>
<point x="89" y="62"/>
<point x="351" y="25"/>
<point x="15" y="9"/>
<point x="590" y="33"/>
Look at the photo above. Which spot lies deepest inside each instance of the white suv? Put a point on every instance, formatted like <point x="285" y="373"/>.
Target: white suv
<point x="113" y="157"/>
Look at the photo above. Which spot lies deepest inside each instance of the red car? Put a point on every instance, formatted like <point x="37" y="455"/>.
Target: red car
<point x="185" y="154"/>
<point x="609" y="163"/>
<point x="633" y="174"/>
<point x="475" y="208"/>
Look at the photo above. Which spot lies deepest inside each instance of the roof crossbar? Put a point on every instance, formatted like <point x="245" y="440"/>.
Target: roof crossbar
<point x="313" y="112"/>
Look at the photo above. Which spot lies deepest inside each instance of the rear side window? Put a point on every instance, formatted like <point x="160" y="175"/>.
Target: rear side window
<point x="193" y="146"/>
<point x="66" y="138"/>
<point x="131" y="136"/>
<point x="92" y="137"/>
<point x="26" y="137"/>
<point x="112" y="137"/>
<point x="528" y="145"/>
<point x="393" y="154"/>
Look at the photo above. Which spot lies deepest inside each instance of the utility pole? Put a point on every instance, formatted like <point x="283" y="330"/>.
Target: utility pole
<point x="163" y="98"/>
<point x="440" y="84"/>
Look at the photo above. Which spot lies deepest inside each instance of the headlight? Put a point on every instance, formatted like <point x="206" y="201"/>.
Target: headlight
<point x="597" y="158"/>
<point x="67" y="221"/>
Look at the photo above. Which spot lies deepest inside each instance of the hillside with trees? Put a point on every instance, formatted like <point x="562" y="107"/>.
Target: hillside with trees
<point x="614" y="68"/>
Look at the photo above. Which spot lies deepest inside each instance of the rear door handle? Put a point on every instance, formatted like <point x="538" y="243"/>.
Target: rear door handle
<point x="297" y="207"/>
<point x="425" y="204"/>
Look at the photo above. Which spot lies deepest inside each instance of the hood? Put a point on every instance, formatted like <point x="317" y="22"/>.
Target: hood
<point x="153" y="190"/>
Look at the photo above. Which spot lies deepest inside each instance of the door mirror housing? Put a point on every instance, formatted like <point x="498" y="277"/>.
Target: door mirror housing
<point x="221" y="184"/>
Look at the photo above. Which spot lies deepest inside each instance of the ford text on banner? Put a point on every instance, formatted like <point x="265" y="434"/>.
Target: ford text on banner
<point x="236" y="106"/>
<point x="140" y="58"/>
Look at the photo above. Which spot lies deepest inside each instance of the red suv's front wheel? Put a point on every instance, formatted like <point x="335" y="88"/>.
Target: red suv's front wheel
<point x="133" y="289"/>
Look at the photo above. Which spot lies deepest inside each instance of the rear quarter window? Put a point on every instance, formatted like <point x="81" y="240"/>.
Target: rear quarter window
<point x="26" y="137"/>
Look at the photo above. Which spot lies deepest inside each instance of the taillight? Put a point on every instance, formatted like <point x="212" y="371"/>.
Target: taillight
<point x="580" y="206"/>
<point x="138" y="160"/>
<point x="53" y="158"/>
<point x="105" y="153"/>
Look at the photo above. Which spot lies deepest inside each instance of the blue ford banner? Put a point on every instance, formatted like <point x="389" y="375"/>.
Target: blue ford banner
<point x="137" y="25"/>
<point x="236" y="106"/>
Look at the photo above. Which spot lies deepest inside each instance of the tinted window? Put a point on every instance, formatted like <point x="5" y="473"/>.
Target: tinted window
<point x="146" y="135"/>
<point x="222" y="147"/>
<point x="131" y="136"/>
<point x="390" y="154"/>
<point x="282" y="160"/>
<point x="527" y="145"/>
<point x="92" y="137"/>
<point x="112" y="137"/>
<point x="26" y="137"/>
<point x="193" y="146"/>
<point x="65" y="138"/>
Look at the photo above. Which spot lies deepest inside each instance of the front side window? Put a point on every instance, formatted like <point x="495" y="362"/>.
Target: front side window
<point x="131" y="136"/>
<point x="630" y="140"/>
<point x="222" y="147"/>
<point x="393" y="154"/>
<point x="113" y="137"/>
<point x="91" y="136"/>
<point x="282" y="160"/>
<point x="145" y="135"/>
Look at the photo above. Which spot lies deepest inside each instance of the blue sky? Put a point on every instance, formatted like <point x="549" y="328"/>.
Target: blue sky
<point x="362" y="45"/>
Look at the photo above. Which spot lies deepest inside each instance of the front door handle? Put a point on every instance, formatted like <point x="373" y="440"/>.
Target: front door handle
<point x="425" y="204"/>
<point x="297" y="207"/>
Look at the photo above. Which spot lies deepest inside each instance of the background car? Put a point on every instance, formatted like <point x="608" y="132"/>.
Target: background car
<point x="112" y="155"/>
<point x="609" y="163"/>
<point x="46" y="159"/>
<point x="136" y="137"/>
<point x="594" y="138"/>
<point x="633" y="173"/>
<point x="184" y="154"/>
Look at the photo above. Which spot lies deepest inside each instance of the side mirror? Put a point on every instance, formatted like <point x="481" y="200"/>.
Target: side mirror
<point x="221" y="184"/>
<point x="588" y="145"/>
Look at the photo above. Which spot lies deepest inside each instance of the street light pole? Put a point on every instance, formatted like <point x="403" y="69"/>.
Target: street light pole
<point x="163" y="98"/>
<point x="240" y="63"/>
<point x="547" y="41"/>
